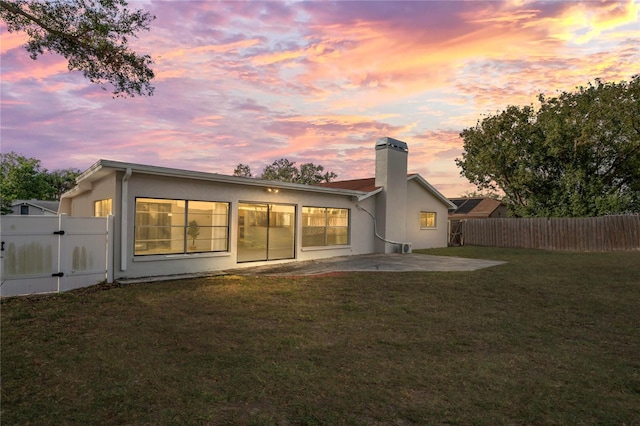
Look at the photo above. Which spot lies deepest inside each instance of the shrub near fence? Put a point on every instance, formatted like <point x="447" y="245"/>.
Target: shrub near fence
<point x="605" y="233"/>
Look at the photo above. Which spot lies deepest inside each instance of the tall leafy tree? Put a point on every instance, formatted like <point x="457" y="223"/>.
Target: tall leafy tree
<point x="281" y="170"/>
<point x="577" y="155"/>
<point x="60" y="181"/>
<point x="93" y="35"/>
<point x="24" y="178"/>
<point x="478" y="194"/>
<point x="311" y="174"/>
<point x="284" y="170"/>
<point x="21" y="178"/>
<point x="242" y="170"/>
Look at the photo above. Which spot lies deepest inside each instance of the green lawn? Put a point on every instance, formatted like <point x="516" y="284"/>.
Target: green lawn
<point x="548" y="338"/>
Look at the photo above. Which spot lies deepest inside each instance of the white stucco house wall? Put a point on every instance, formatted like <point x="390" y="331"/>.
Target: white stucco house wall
<point x="170" y="221"/>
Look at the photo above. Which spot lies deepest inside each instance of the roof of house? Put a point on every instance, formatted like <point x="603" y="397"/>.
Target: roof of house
<point x="368" y="185"/>
<point x="474" y="207"/>
<point x="104" y="167"/>
<point x="51" y="206"/>
<point x="359" y="188"/>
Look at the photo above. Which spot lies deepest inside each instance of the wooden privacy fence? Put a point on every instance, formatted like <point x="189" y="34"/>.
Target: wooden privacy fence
<point x="605" y="233"/>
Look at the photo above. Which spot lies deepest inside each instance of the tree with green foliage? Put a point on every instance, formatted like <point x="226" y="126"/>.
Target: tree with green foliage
<point x="577" y="155"/>
<point x="242" y="170"/>
<point x="311" y="174"/>
<point x="61" y="181"/>
<point x="281" y="170"/>
<point x="284" y="170"/>
<point x="480" y="194"/>
<point x="24" y="178"/>
<point x="21" y="178"/>
<point x="92" y="35"/>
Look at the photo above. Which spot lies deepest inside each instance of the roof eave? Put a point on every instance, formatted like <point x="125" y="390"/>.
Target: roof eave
<point x="369" y="194"/>
<point x="103" y="167"/>
<point x="433" y="190"/>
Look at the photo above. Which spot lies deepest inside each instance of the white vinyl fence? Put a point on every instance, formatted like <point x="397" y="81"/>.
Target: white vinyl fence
<point x="46" y="254"/>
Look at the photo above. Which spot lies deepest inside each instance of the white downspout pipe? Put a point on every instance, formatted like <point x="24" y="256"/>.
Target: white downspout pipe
<point x="124" y="213"/>
<point x="375" y="227"/>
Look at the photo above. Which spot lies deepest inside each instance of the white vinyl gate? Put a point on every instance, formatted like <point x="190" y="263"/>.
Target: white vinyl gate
<point x="45" y="254"/>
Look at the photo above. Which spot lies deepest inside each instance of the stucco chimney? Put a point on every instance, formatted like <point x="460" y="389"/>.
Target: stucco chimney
<point x="391" y="175"/>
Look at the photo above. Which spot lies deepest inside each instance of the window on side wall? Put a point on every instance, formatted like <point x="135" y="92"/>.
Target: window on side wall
<point x="322" y="226"/>
<point x="427" y="220"/>
<point x="102" y="208"/>
<point x="180" y="226"/>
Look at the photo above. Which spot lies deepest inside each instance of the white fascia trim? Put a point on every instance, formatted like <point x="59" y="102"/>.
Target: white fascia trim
<point x="100" y="168"/>
<point x="369" y="194"/>
<point x="433" y="190"/>
<point x="80" y="188"/>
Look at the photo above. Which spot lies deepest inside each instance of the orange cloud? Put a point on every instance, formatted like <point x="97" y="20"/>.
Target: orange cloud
<point x="380" y="63"/>
<point x="592" y="19"/>
<point x="321" y="82"/>
<point x="330" y="131"/>
<point x="39" y="70"/>
<point x="11" y="40"/>
<point x="275" y="57"/>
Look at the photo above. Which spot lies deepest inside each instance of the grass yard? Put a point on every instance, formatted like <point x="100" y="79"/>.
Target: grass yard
<point x="548" y="338"/>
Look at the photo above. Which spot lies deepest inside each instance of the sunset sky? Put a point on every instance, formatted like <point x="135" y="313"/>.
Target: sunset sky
<point x="240" y="82"/>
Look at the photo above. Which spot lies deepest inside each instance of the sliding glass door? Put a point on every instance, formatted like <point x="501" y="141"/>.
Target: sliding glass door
<point x="281" y="235"/>
<point x="265" y="232"/>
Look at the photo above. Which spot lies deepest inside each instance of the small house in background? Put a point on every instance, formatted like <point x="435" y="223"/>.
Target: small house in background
<point x="477" y="208"/>
<point x="472" y="208"/>
<point x="169" y="221"/>
<point x="35" y="208"/>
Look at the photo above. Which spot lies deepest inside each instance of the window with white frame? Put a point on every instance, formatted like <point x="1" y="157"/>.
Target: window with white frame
<point x="180" y="226"/>
<point x="427" y="220"/>
<point x="324" y="226"/>
<point x="102" y="208"/>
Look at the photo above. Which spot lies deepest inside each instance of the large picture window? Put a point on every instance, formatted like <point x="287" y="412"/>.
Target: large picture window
<point x="180" y="226"/>
<point x="427" y="220"/>
<point x="323" y="226"/>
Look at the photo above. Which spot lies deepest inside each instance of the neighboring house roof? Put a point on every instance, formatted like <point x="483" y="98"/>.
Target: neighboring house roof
<point x="368" y="185"/>
<point x="104" y="167"/>
<point x="50" y="206"/>
<point x="474" y="207"/>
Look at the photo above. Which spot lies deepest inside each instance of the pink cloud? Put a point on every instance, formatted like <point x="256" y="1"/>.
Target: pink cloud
<point x="317" y="82"/>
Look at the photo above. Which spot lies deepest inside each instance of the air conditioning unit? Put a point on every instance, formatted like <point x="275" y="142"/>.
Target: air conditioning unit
<point x="406" y="248"/>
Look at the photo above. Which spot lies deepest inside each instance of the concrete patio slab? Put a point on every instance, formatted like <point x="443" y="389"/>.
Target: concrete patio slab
<point x="359" y="263"/>
<point x="369" y="263"/>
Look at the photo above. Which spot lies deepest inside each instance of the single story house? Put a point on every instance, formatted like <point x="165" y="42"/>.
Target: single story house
<point x="170" y="221"/>
<point x="35" y="207"/>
